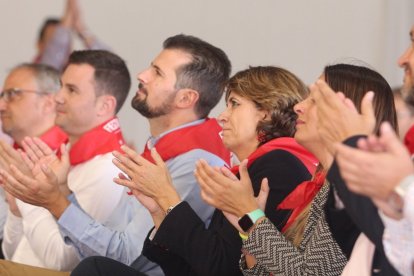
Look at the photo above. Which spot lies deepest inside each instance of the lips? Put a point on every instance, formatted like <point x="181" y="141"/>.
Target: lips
<point x="299" y="122"/>
<point x="60" y="111"/>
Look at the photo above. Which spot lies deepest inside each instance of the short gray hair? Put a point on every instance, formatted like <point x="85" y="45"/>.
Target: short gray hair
<point x="47" y="77"/>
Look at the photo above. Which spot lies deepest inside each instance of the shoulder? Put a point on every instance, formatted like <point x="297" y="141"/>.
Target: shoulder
<point x="189" y="158"/>
<point x="279" y="156"/>
<point x="99" y="170"/>
<point x="279" y="161"/>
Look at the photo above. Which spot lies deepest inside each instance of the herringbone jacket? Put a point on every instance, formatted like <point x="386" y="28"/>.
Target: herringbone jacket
<point x="317" y="254"/>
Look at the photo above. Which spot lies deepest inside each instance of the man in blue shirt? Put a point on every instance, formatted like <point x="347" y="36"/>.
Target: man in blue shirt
<point x="179" y="89"/>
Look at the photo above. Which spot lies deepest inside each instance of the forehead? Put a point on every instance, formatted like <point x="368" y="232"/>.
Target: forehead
<point x="20" y="78"/>
<point x="170" y="60"/>
<point x="238" y="97"/>
<point x="78" y="73"/>
<point x="234" y="95"/>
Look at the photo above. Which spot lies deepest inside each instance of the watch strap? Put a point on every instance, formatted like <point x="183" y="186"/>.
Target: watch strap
<point x="255" y="215"/>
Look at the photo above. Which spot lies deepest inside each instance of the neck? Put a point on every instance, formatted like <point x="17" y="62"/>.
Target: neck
<point x="322" y="154"/>
<point x="170" y="121"/>
<point x="245" y="150"/>
<point x="74" y="137"/>
<point x="34" y="132"/>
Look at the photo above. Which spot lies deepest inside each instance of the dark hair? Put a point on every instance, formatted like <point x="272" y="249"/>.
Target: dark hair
<point x="207" y="72"/>
<point x="272" y="89"/>
<point x="354" y="81"/>
<point x="48" y="22"/>
<point x="111" y="74"/>
<point x="47" y="78"/>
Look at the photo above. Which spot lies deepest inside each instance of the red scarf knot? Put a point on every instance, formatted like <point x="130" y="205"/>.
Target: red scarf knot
<point x="301" y="196"/>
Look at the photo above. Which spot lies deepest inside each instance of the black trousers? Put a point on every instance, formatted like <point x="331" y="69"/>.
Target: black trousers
<point x="102" y="266"/>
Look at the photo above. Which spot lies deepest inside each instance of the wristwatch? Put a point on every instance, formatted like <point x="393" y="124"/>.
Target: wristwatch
<point x="248" y="220"/>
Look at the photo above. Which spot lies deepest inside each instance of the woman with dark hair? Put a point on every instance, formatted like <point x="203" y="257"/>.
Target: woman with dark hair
<point x="258" y="125"/>
<point x="320" y="240"/>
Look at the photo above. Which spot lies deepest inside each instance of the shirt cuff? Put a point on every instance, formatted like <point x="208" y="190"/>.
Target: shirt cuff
<point x="152" y="234"/>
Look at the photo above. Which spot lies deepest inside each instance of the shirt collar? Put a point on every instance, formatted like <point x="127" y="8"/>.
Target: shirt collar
<point x="152" y="141"/>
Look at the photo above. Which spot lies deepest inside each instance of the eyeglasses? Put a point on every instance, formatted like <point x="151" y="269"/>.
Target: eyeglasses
<point x="13" y="94"/>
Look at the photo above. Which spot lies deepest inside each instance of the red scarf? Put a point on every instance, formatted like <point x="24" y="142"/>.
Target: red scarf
<point x="304" y="192"/>
<point x="284" y="143"/>
<point x="54" y="137"/>
<point x="102" y="139"/>
<point x="300" y="197"/>
<point x="409" y="140"/>
<point x="205" y="136"/>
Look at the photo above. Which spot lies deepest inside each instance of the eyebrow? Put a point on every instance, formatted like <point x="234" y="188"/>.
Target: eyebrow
<point x="232" y="97"/>
<point x="412" y="35"/>
<point x="72" y="86"/>
<point x="158" y="68"/>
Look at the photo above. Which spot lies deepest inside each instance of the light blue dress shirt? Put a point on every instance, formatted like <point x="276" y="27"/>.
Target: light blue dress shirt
<point x="124" y="244"/>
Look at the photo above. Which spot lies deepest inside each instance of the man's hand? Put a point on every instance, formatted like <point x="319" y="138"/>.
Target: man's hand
<point x="150" y="204"/>
<point x="377" y="168"/>
<point x="38" y="153"/>
<point x="67" y="19"/>
<point x="43" y="190"/>
<point x="10" y="156"/>
<point x="152" y="180"/>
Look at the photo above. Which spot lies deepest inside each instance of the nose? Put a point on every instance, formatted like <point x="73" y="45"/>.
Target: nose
<point x="403" y="59"/>
<point x="143" y="76"/>
<point x="299" y="107"/>
<point x="59" y="97"/>
<point x="223" y="116"/>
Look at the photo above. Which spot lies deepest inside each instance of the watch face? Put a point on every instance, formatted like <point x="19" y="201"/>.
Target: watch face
<point x="245" y="223"/>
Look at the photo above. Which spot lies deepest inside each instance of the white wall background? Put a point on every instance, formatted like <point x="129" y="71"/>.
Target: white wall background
<point x="300" y="35"/>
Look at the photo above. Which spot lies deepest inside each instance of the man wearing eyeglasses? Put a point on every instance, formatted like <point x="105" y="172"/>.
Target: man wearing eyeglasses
<point x="27" y="108"/>
<point x="95" y="85"/>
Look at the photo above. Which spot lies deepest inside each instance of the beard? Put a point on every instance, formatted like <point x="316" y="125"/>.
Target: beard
<point x="141" y="105"/>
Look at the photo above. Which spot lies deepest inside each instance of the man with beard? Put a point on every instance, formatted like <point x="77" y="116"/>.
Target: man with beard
<point x="406" y="61"/>
<point x="176" y="93"/>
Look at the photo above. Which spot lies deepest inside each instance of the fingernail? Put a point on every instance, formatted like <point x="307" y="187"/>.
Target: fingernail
<point x="370" y="95"/>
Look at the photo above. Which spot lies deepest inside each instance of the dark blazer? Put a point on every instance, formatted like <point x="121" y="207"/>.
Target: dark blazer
<point x="183" y="245"/>
<point x="365" y="216"/>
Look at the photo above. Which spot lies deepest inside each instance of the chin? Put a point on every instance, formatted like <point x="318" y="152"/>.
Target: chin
<point x="299" y="139"/>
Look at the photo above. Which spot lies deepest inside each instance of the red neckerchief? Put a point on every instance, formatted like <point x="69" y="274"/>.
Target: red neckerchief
<point x="300" y="197"/>
<point x="54" y="137"/>
<point x="409" y="140"/>
<point x="102" y="139"/>
<point x="284" y="143"/>
<point x="205" y="136"/>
